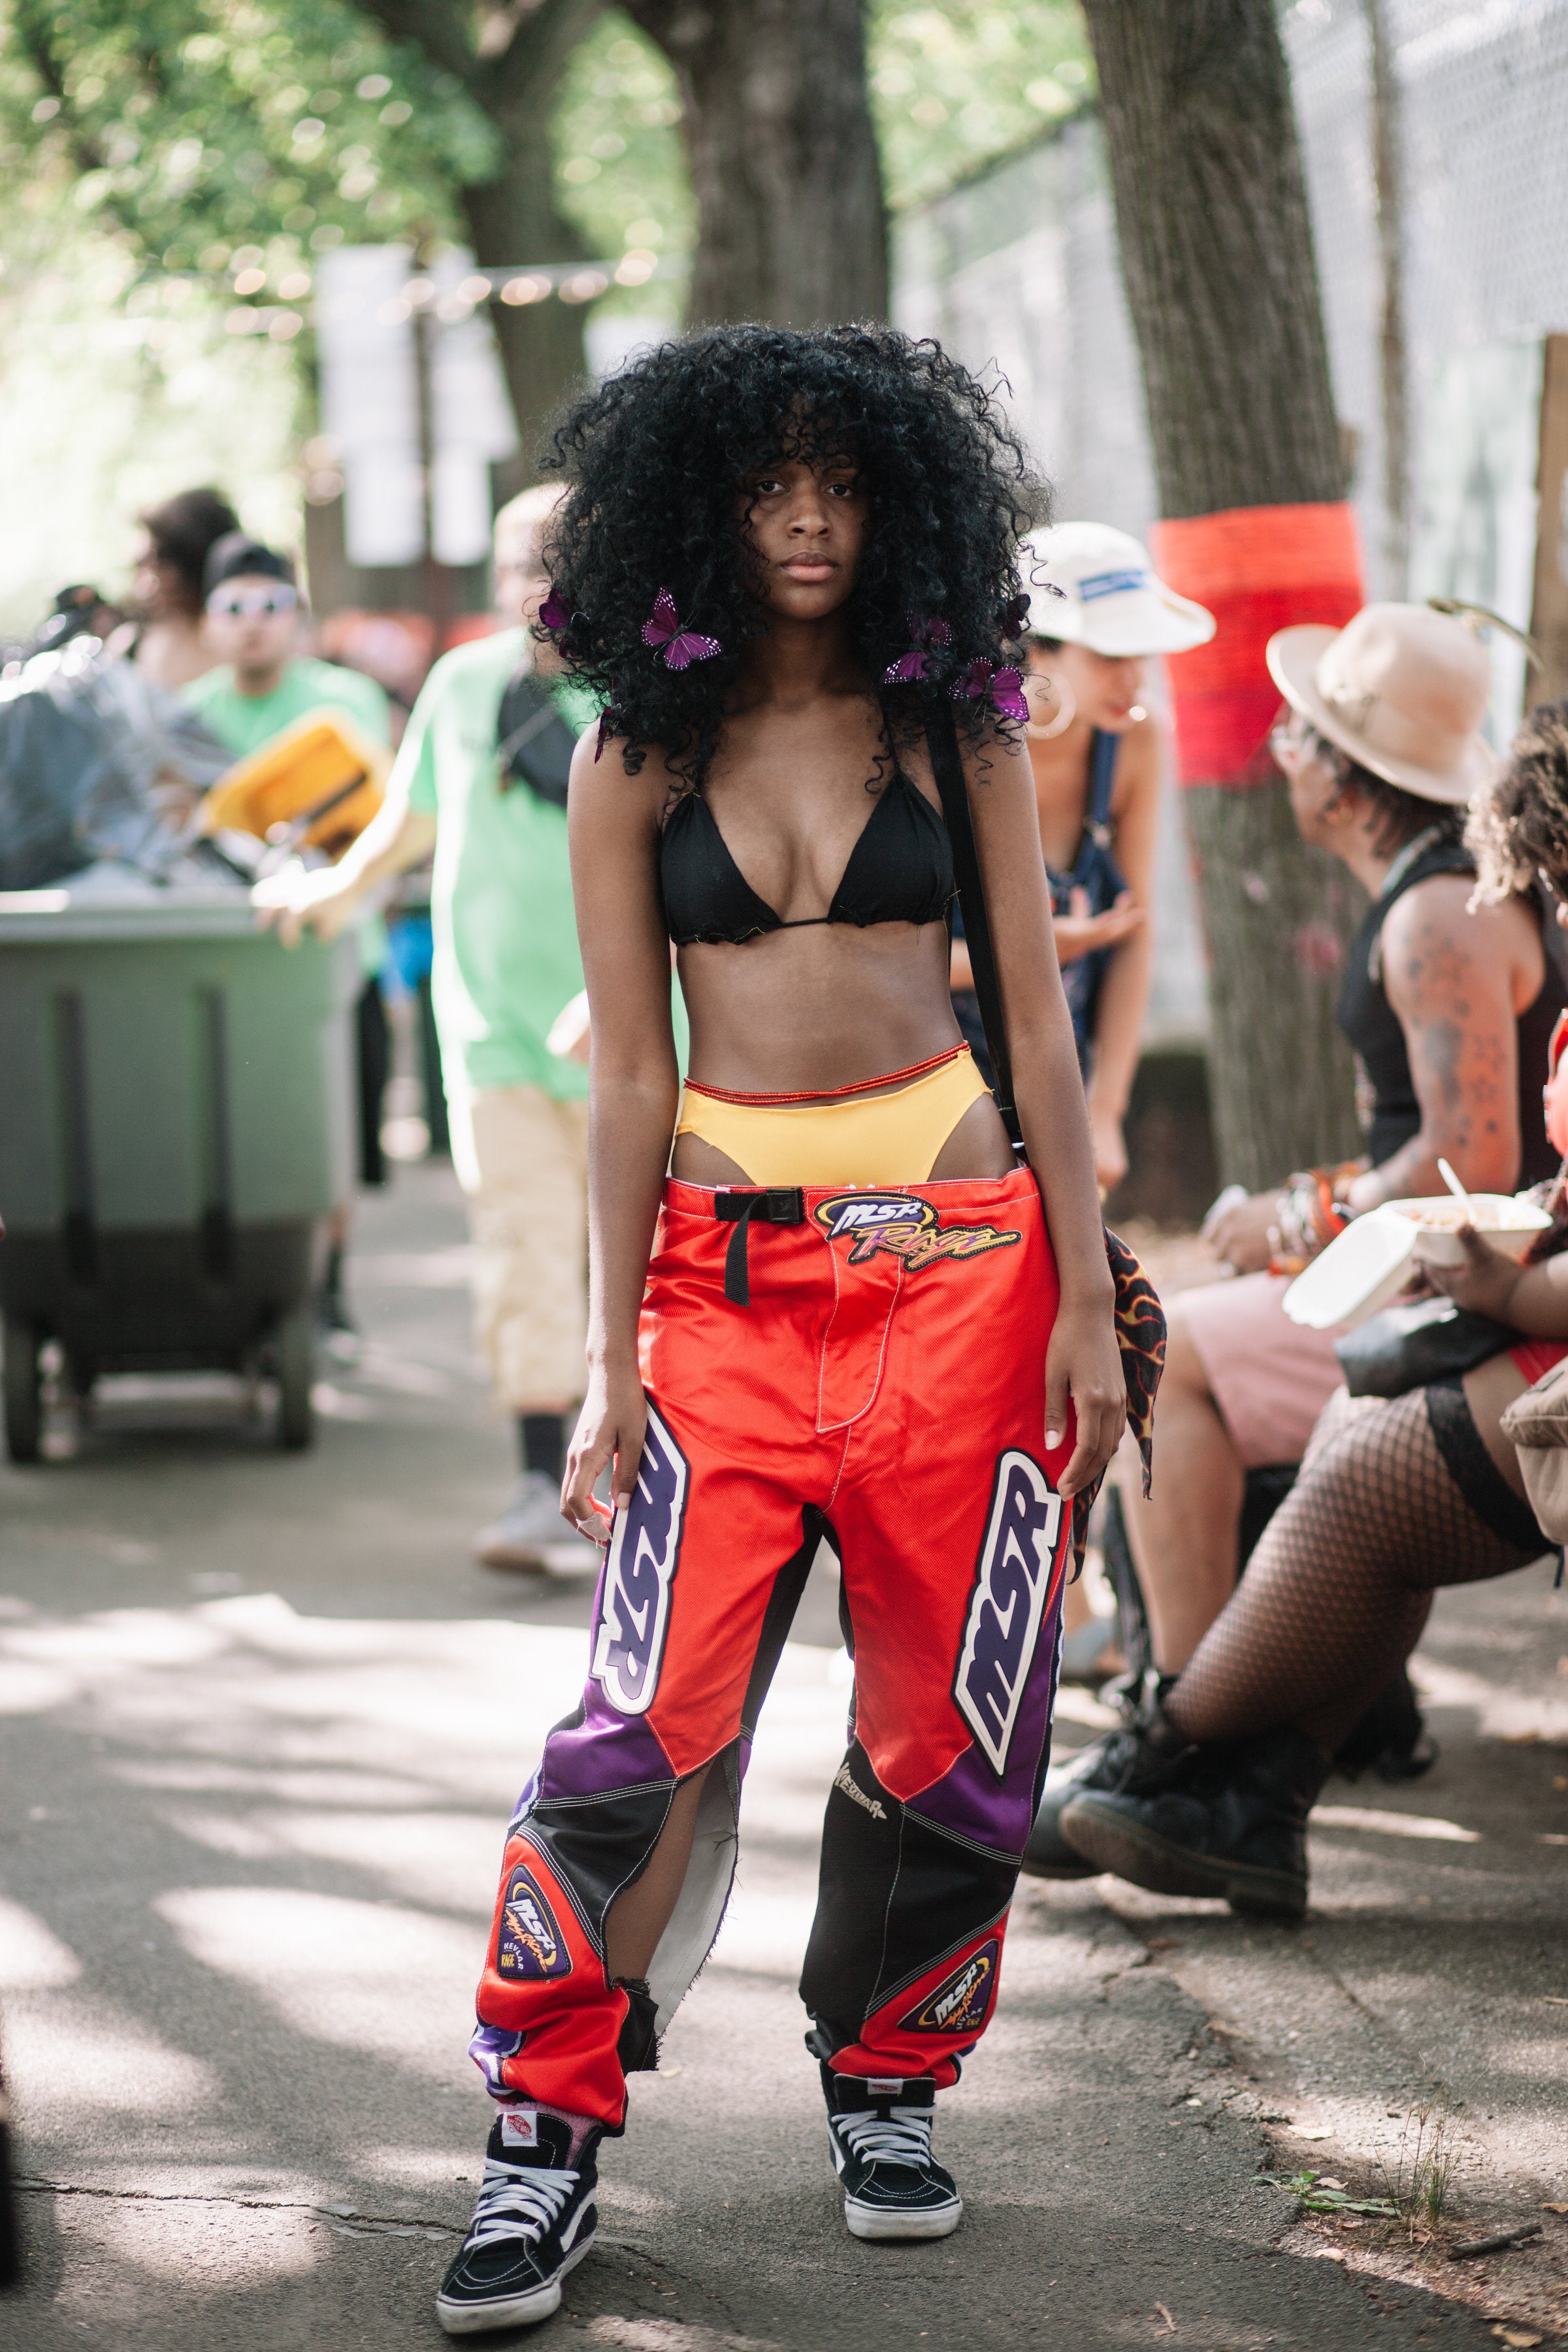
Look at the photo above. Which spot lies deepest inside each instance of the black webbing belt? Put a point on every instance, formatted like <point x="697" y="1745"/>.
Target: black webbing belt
<point x="781" y="1204"/>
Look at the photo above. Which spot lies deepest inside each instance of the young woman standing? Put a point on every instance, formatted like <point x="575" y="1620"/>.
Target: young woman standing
<point x="787" y="563"/>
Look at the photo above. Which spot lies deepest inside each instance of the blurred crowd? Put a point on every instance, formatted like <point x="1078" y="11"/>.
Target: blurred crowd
<point x="1314" y="1483"/>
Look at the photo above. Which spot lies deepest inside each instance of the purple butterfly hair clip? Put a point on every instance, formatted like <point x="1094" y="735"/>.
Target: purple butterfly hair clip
<point x="680" y="648"/>
<point x="1005" y="687"/>
<point x="1015" y="617"/>
<point x="930" y="636"/>
<point x="555" y="613"/>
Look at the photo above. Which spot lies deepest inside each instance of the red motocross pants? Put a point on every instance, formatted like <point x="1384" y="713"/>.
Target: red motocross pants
<point x="883" y="1385"/>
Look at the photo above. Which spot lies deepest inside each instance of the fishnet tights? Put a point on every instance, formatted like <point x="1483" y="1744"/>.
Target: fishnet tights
<point x="1338" y="1588"/>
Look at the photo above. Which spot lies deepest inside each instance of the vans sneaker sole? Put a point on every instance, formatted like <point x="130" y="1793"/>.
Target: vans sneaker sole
<point x="1113" y="1843"/>
<point x="877" y="2221"/>
<point x="512" y="2311"/>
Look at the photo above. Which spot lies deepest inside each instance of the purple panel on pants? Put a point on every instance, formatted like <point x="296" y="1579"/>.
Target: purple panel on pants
<point x="968" y="1798"/>
<point x="603" y="1752"/>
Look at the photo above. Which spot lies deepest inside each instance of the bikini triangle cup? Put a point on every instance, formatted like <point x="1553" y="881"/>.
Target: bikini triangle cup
<point x="1139" y="1319"/>
<point x="899" y="871"/>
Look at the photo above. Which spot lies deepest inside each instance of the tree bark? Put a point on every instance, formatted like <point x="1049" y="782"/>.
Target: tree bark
<point x="1388" y="179"/>
<point x="1222" y="282"/>
<point x="512" y="75"/>
<point x="784" y="164"/>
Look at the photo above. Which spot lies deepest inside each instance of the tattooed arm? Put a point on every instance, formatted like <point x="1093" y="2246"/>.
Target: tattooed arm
<point x="1457" y="982"/>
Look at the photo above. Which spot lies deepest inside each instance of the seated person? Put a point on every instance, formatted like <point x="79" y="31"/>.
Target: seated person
<point x="1449" y="1011"/>
<point x="1395" y="1499"/>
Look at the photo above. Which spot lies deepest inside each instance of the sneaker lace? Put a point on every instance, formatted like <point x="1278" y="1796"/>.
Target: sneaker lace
<point x="518" y="2201"/>
<point x="901" y="2137"/>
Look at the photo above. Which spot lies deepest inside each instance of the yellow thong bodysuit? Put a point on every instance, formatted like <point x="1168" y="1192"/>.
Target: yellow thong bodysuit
<point x="853" y="1138"/>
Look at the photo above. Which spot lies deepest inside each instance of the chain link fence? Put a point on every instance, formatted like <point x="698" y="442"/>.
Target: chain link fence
<point x="1018" y="270"/>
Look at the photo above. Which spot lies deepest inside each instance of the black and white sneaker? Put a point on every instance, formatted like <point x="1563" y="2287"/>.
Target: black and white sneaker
<point x="879" y="2133"/>
<point x="533" y="2222"/>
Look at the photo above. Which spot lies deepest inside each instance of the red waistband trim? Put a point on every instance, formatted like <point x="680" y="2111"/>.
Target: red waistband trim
<point x="831" y="1094"/>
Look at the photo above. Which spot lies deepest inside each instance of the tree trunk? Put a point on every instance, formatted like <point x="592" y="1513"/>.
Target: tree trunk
<point x="513" y="219"/>
<point x="791" y="225"/>
<point x="1216" y="254"/>
<point x="512" y="76"/>
<point x="1388" y="178"/>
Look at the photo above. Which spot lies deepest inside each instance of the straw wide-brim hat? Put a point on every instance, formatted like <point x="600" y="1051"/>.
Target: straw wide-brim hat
<point x="1091" y="585"/>
<point x="1402" y="688"/>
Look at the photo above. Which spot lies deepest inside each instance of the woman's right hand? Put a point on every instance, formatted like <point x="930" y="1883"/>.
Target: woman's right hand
<point x="610" y="1428"/>
<point x="1078" y="932"/>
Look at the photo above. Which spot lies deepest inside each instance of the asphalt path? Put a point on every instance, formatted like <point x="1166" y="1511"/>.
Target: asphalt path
<point x="261" y="1721"/>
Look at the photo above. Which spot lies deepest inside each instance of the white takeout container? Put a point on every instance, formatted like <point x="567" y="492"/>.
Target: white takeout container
<point x="1370" y="1262"/>
<point x="1437" y="1222"/>
<point x="1362" y="1269"/>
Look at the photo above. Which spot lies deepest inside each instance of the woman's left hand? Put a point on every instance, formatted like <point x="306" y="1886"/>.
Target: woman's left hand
<point x="1485" y="1283"/>
<point x="1084" y="1363"/>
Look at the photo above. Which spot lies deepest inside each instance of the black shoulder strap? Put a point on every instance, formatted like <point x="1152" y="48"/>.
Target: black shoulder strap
<point x="947" y="767"/>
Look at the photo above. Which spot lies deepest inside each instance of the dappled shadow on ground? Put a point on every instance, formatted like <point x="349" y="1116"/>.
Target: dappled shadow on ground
<point x="261" y="1723"/>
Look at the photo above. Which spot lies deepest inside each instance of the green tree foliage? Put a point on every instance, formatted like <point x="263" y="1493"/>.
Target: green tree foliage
<point x="197" y="130"/>
<point x="955" y="85"/>
<point x="951" y="86"/>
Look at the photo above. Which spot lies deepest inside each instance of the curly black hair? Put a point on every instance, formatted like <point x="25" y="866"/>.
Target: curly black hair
<point x="657" y="460"/>
<point x="1519" y="823"/>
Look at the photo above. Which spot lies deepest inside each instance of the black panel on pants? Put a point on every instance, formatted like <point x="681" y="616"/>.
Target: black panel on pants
<point x="898" y="1885"/>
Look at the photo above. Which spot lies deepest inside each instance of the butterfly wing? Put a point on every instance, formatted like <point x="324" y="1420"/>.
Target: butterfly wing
<point x="908" y="668"/>
<point x="690" y="646"/>
<point x="1007" y="694"/>
<point x="663" y="623"/>
<point x="556" y="612"/>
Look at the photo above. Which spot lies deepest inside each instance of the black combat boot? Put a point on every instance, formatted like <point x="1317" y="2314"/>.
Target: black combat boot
<point x="1098" y="1764"/>
<point x="1227" y="1821"/>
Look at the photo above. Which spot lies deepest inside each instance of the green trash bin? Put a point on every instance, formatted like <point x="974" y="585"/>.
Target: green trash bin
<point x="176" y="1102"/>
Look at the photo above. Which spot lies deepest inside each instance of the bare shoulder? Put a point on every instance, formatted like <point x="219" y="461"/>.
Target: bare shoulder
<point x="601" y="791"/>
<point x="1440" y="908"/>
<point x="1139" y="762"/>
<point x="1431" y="932"/>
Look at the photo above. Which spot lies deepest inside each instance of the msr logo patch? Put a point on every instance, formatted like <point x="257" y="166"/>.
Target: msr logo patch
<point x="644" y="1551"/>
<point x="903" y="1226"/>
<point x="530" y="1945"/>
<point x="1011" y="1583"/>
<point x="960" y="2003"/>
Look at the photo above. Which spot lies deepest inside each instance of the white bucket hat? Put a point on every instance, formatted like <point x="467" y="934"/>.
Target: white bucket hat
<point x="1111" y="600"/>
<point x="1403" y="689"/>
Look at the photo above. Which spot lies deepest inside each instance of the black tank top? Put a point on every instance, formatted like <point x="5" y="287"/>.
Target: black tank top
<point x="899" y="871"/>
<point x="1373" y="1027"/>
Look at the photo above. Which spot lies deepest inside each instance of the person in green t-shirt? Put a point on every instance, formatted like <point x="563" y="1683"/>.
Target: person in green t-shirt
<point x="262" y="685"/>
<point x="506" y="965"/>
<point x="251" y="623"/>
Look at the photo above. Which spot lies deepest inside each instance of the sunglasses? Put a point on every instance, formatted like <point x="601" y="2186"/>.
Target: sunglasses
<point x="253" y="604"/>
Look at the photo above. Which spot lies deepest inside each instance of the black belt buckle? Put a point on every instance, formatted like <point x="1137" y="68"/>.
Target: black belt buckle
<point x="779" y="1205"/>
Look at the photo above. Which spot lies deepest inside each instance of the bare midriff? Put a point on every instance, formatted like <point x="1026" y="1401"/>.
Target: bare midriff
<point x="809" y="1011"/>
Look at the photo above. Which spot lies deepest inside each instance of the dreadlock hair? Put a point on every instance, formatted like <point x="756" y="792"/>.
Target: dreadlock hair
<point x="1397" y="815"/>
<point x="1518" y="821"/>
<point x="658" y="462"/>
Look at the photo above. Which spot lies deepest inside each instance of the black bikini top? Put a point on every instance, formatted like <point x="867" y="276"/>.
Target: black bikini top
<point x="899" y="871"/>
